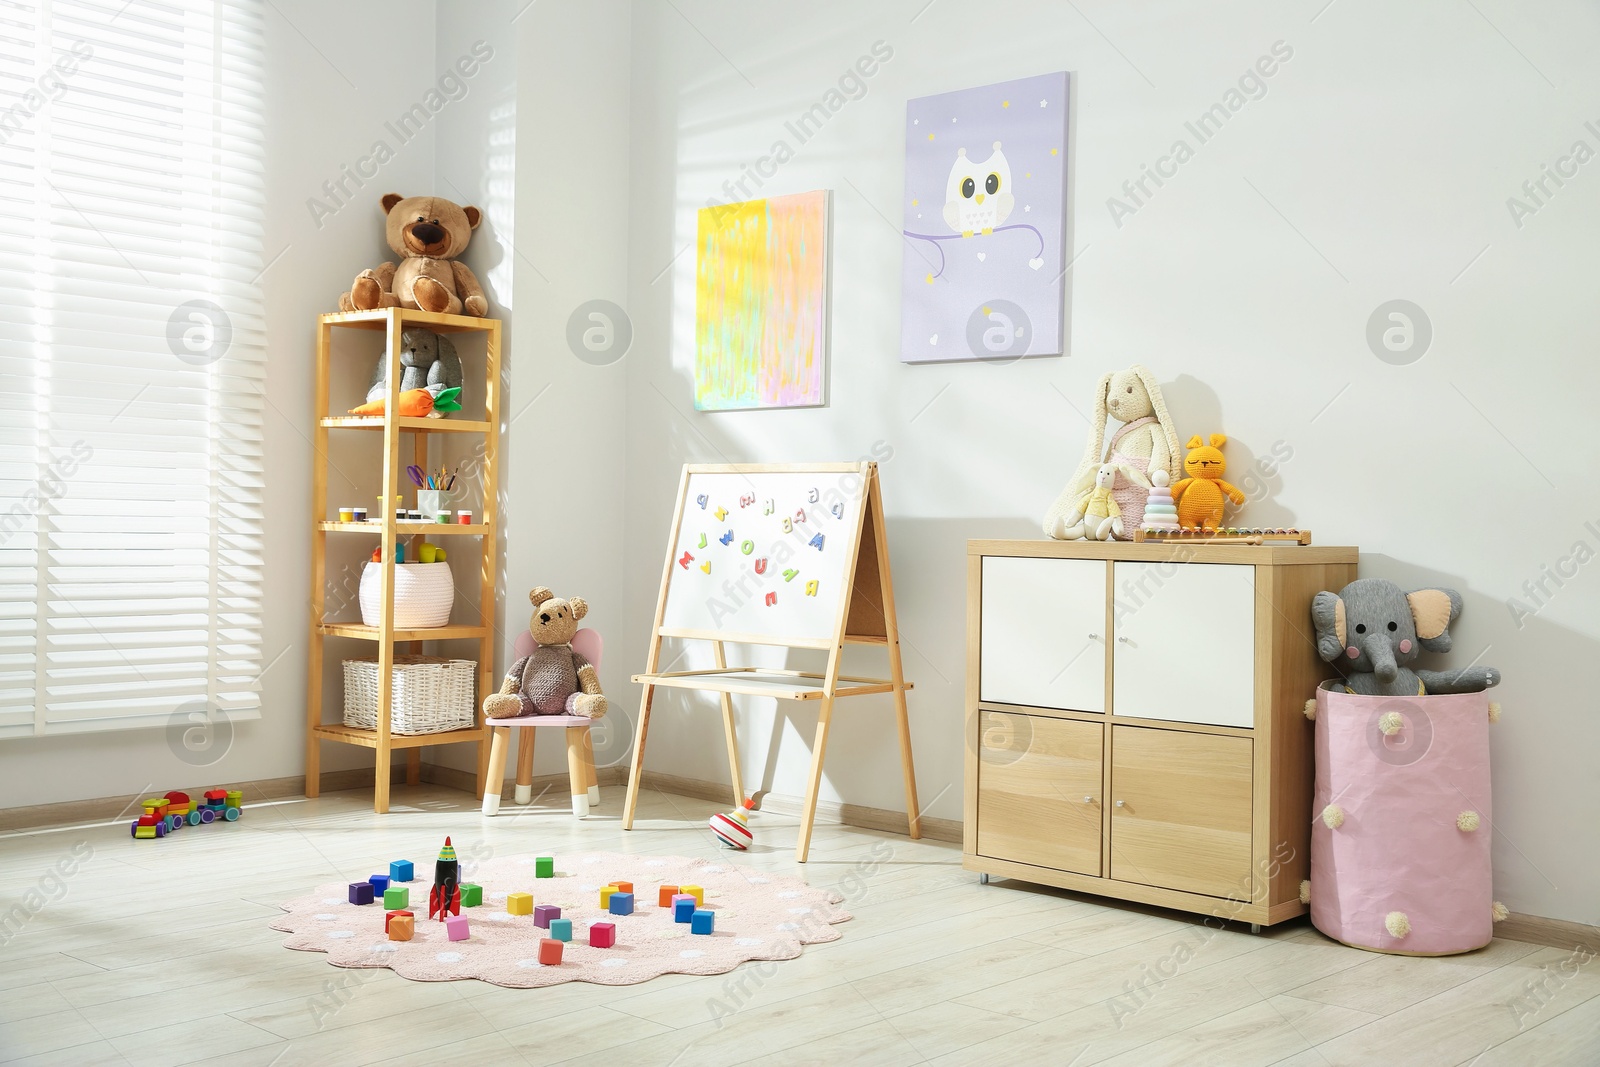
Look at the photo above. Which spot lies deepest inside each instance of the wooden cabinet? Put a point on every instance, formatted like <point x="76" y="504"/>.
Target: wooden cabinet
<point x="1134" y="719"/>
<point x="1040" y="781"/>
<point x="1180" y="810"/>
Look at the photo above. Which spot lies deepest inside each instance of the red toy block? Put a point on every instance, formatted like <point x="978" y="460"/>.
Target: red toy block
<point x="217" y="794"/>
<point x="550" y="952"/>
<point x="389" y="917"/>
<point x="602" y="935"/>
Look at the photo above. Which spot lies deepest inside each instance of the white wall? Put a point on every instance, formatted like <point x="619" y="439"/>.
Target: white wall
<point x="1376" y="166"/>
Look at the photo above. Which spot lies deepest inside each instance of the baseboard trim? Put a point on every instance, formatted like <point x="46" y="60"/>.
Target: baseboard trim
<point x="828" y="813"/>
<point x="1556" y="933"/>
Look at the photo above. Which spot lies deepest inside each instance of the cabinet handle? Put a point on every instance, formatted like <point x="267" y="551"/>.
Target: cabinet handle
<point x="1094" y="637"/>
<point x="1088" y="800"/>
<point x="1122" y="803"/>
<point x="1124" y="640"/>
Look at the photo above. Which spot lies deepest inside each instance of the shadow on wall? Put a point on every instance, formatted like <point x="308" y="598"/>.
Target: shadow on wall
<point x="1253" y="466"/>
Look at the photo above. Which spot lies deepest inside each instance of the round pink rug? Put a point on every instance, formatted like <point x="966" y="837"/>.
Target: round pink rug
<point x="759" y="916"/>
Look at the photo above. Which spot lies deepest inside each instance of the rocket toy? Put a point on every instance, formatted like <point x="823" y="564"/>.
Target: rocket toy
<point x="444" y="899"/>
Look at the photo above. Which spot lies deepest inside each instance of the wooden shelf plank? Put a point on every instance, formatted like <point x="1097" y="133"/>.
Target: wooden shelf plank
<point x="375" y="422"/>
<point x="355" y="735"/>
<point x="406" y="529"/>
<point x="751" y="681"/>
<point x="378" y="319"/>
<point x="370" y="633"/>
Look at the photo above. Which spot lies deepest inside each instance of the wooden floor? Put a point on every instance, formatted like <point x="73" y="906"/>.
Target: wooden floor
<point x="159" y="953"/>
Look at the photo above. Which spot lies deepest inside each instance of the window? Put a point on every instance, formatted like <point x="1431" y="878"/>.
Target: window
<point x="131" y="363"/>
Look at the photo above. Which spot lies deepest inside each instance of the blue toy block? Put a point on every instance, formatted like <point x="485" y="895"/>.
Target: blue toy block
<point x="702" y="922"/>
<point x="380" y="884"/>
<point x="561" y="929"/>
<point x="401" y="871"/>
<point x="621" y="904"/>
<point x="683" y="911"/>
<point x="361" y="892"/>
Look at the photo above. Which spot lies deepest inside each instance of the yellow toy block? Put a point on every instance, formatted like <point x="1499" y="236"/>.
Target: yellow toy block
<point x="144" y="831"/>
<point x="519" y="903"/>
<point x="699" y="894"/>
<point x="402" y="927"/>
<point x="605" y="897"/>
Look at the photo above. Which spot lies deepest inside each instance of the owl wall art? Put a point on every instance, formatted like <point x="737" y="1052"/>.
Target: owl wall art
<point x="988" y="222"/>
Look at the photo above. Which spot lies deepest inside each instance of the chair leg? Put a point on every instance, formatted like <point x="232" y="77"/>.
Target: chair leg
<point x="525" y="765"/>
<point x="497" y="770"/>
<point x="580" y="789"/>
<point x="589" y="774"/>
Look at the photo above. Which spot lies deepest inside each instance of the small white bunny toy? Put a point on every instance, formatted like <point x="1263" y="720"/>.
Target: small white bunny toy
<point x="1102" y="518"/>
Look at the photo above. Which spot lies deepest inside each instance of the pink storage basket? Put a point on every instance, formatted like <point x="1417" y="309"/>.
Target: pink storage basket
<point x="1404" y="782"/>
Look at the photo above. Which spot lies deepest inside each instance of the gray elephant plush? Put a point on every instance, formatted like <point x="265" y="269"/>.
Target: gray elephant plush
<point x="1373" y="628"/>
<point x="427" y="361"/>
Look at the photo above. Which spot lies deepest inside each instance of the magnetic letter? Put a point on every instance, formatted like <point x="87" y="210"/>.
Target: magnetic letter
<point x="761" y="565"/>
<point x="788" y="527"/>
<point x="685" y="561"/>
<point x="800" y="515"/>
<point x="769" y="508"/>
<point x="789" y="574"/>
<point x="811" y="498"/>
<point x="772" y="598"/>
<point x="721" y="513"/>
<point x="838" y="511"/>
<point x="747" y="547"/>
<point x="726" y="538"/>
<point x="702" y="543"/>
<point x="701" y="500"/>
<point x="706" y="566"/>
<point x="811" y="587"/>
<point x="816" y="542"/>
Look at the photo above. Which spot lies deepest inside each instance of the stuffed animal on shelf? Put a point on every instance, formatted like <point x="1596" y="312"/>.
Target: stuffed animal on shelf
<point x="1200" y="496"/>
<point x="427" y="361"/>
<point x="427" y="233"/>
<point x="1372" y="629"/>
<point x="555" y="679"/>
<point x="1144" y="442"/>
<point x="417" y="403"/>
<point x="1102" y="515"/>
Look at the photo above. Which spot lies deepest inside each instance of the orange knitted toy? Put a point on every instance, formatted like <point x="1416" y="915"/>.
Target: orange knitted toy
<point x="1200" y="495"/>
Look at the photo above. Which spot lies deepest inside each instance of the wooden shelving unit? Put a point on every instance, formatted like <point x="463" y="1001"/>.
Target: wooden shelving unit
<point x="390" y="322"/>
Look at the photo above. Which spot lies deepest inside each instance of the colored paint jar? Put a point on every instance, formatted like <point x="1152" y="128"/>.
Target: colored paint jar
<point x="464" y="518"/>
<point x="347" y="514"/>
<point x="443" y="516"/>
<point x="358" y="514"/>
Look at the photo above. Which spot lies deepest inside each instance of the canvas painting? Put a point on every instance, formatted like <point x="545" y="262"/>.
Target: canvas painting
<point x="761" y="304"/>
<point x="987" y="222"/>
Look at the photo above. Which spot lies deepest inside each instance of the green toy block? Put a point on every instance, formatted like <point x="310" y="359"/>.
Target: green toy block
<point x="396" y="898"/>
<point x="544" y="867"/>
<point x="471" y="895"/>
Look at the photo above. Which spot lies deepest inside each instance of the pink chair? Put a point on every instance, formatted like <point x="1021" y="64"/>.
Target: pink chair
<point x="580" y="747"/>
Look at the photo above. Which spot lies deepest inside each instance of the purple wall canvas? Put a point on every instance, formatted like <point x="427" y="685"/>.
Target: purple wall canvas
<point x="987" y="222"/>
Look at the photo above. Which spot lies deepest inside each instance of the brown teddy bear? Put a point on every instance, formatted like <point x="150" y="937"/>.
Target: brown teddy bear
<point x="428" y="233"/>
<point x="555" y="680"/>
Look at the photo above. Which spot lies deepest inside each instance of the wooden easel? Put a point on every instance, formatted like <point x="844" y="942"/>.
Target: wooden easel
<point x="865" y="615"/>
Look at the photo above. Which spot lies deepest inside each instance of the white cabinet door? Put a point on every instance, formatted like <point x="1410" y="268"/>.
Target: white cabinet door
<point x="1185" y="636"/>
<point x="1043" y="639"/>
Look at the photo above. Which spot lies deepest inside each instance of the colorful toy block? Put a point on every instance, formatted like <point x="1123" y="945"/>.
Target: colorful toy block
<point x="144" y="831"/>
<point x="550" y="952"/>
<point x="519" y="903"/>
<point x="544" y="867"/>
<point x="703" y="921"/>
<point x="561" y="929"/>
<point x="395" y="897"/>
<point x="380" y="883"/>
<point x="602" y="935"/>
<point x="698" y="893"/>
<point x="471" y="895"/>
<point x="623" y="887"/>
<point x="621" y="904"/>
<point x="682" y="909"/>
<point x="235" y="798"/>
<point x="605" y="895"/>
<point x="179" y="803"/>
<point x="544" y="913"/>
<point x="389" y="917"/>
<point x="216" y="794"/>
<point x="665" y="895"/>
<point x="402" y="927"/>
<point x="361" y="892"/>
<point x="401" y="871"/>
<point x="456" y="928"/>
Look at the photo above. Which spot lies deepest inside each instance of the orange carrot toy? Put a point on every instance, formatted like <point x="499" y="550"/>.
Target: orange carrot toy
<point x="417" y="404"/>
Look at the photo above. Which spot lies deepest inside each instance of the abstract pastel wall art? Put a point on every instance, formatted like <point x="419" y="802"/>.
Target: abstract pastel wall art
<point x="761" y="304"/>
<point x="988" y="222"/>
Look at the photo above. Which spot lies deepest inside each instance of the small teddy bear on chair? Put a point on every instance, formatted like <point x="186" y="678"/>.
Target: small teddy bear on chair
<point x="554" y="680"/>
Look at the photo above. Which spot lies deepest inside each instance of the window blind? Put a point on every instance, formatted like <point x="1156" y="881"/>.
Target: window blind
<point x="132" y="358"/>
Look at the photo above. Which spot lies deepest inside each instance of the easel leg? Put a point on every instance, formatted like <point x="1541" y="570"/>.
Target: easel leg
<point x="731" y="736"/>
<point x="636" y="765"/>
<point x="497" y="770"/>
<point x="525" y="765"/>
<point x="814" y="782"/>
<point x="575" y="771"/>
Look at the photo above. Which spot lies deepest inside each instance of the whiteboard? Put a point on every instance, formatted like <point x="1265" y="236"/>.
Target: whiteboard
<point x="764" y="555"/>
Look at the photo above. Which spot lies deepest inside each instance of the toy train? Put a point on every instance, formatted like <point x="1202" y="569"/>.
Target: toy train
<point x="163" y="815"/>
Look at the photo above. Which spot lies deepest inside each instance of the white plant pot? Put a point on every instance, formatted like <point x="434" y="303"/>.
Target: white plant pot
<point x="424" y="593"/>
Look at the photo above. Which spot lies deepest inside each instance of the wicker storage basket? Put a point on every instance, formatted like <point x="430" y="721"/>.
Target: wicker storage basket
<point x="424" y="593"/>
<point x="428" y="695"/>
